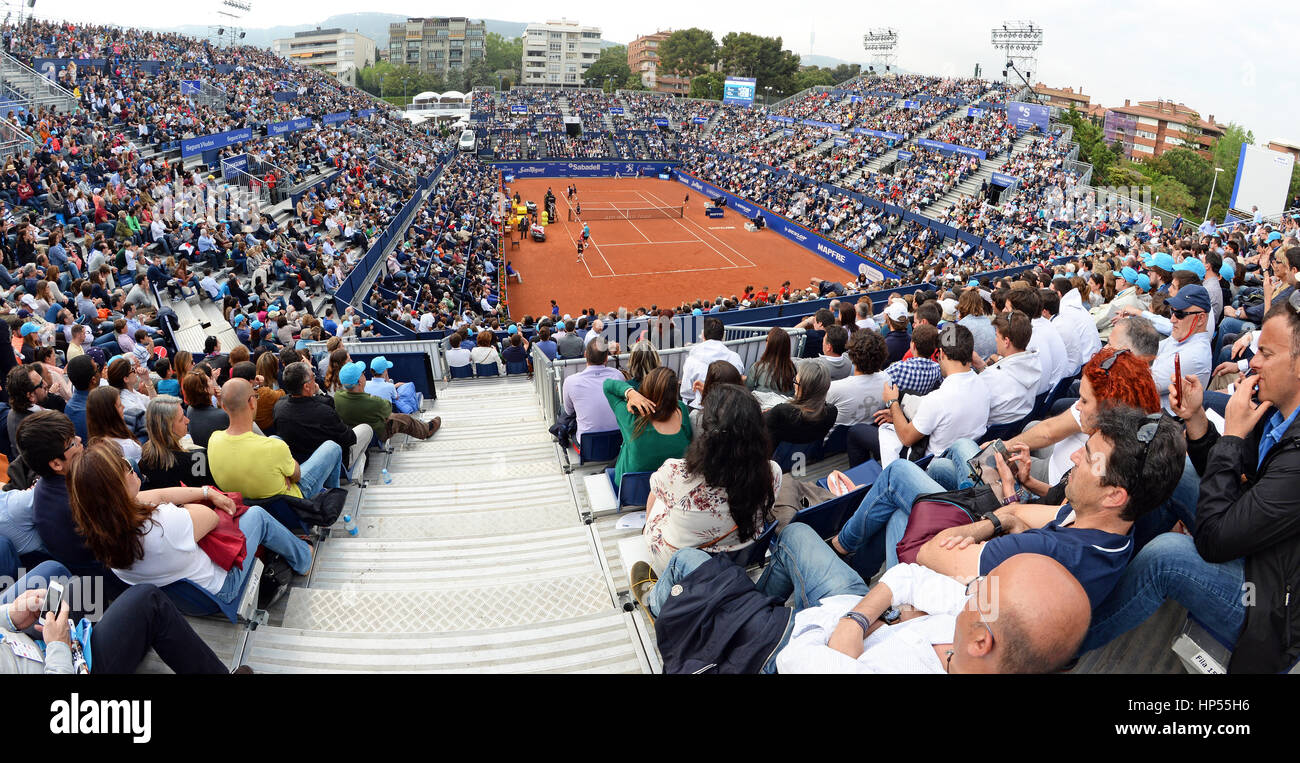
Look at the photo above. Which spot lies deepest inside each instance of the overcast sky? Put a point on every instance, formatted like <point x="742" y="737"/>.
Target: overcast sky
<point x="1221" y="59"/>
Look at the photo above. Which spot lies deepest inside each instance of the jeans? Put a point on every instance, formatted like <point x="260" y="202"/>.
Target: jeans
<point x="37" y="577"/>
<point x="141" y="618"/>
<point x="893" y="494"/>
<point x="950" y="469"/>
<point x="1233" y="326"/>
<point x="321" y="470"/>
<point x="802" y="566"/>
<point x="1169" y="567"/>
<point x="9" y="561"/>
<point x="261" y="529"/>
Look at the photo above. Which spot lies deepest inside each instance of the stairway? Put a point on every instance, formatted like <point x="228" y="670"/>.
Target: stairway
<point x="474" y="558"/>
<point x="971" y="185"/>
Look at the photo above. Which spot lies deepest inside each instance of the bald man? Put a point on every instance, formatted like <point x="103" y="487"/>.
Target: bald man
<point x="244" y="461"/>
<point x="1028" y="615"/>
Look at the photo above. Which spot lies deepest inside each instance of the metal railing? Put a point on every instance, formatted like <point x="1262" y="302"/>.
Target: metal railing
<point x="13" y="140"/>
<point x="35" y="88"/>
<point x="210" y="96"/>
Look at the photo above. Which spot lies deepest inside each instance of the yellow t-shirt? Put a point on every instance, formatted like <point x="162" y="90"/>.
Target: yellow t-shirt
<point x="252" y="464"/>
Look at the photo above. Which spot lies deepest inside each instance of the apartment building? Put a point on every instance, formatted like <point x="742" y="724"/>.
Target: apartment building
<point x="643" y="59"/>
<point x="438" y="45"/>
<point x="336" y="51"/>
<point x="1147" y="129"/>
<point x="558" y="53"/>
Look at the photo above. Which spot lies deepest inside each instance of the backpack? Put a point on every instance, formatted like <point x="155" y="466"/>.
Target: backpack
<point x="320" y="511"/>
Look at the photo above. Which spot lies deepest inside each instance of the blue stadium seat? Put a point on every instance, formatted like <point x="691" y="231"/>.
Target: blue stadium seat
<point x="634" y="488"/>
<point x="462" y="372"/>
<point x="785" y="453"/>
<point x="283" y="514"/>
<point x="836" y="440"/>
<point x="516" y="367"/>
<point x="600" y="446"/>
<point x="193" y="600"/>
<point x="755" y="552"/>
<point x="486" y="369"/>
<point x="864" y="473"/>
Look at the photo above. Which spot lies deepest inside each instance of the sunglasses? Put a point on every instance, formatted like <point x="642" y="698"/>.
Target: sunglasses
<point x="1181" y="314"/>
<point x="1108" y="362"/>
<point x="1145" y="434"/>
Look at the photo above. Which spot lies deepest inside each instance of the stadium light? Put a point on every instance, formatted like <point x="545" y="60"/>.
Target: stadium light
<point x="881" y="43"/>
<point x="1019" y="41"/>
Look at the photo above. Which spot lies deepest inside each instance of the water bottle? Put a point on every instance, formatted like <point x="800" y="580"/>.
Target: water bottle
<point x="350" y="524"/>
<point x="388" y="478"/>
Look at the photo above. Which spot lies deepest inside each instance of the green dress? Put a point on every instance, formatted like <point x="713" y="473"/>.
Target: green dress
<point x="647" y="452"/>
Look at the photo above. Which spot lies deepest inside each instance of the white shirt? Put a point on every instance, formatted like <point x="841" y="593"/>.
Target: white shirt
<point x="1078" y="331"/>
<point x="1011" y="384"/>
<point x="1051" y="353"/>
<point x="696" y="365"/>
<point x="904" y="648"/>
<point x="958" y="408"/>
<point x="171" y="553"/>
<point x="857" y="397"/>
<point x="1060" y="462"/>
<point x="869" y="324"/>
<point x="1196" y="358"/>
<point x="457" y="357"/>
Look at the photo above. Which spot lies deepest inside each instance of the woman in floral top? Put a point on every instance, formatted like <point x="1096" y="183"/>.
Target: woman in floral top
<point x="719" y="497"/>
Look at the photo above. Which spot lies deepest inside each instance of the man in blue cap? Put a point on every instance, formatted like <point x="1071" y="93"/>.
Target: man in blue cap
<point x="355" y="407"/>
<point x="1196" y="267"/>
<point x="1161" y="267"/>
<point x="402" y="395"/>
<point x="1189" y="340"/>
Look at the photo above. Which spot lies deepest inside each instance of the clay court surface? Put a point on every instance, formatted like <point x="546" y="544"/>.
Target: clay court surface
<point x="636" y="263"/>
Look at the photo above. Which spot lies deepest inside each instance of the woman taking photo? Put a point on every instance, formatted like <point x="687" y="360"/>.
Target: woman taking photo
<point x="774" y="371"/>
<point x="654" y="421"/>
<point x="104" y="420"/>
<point x="719" y="497"/>
<point x="164" y="461"/>
<point x="152" y="536"/>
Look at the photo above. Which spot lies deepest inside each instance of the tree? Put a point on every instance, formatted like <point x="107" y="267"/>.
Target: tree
<point x="749" y="55"/>
<point x="501" y="53"/>
<point x="688" y="52"/>
<point x="1092" y="145"/>
<point x="844" y="72"/>
<point x="478" y="73"/>
<point x="708" y="86"/>
<point x="1189" y="168"/>
<point x="1225" y="151"/>
<point x="812" y="76"/>
<point x="612" y="63"/>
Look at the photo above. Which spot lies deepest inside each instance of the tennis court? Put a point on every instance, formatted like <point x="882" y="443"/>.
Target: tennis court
<point x="659" y="248"/>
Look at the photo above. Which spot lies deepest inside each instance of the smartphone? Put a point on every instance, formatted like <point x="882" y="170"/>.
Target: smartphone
<point x="984" y="465"/>
<point x="1178" y="375"/>
<point x="53" y="600"/>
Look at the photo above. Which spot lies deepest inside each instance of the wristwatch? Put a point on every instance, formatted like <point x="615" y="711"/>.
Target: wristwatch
<point x="997" y="523"/>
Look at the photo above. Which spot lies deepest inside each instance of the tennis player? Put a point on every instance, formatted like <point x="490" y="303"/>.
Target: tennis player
<point x="586" y="232"/>
<point x="580" y="248"/>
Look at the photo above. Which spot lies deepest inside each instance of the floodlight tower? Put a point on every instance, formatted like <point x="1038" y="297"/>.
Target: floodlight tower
<point x="229" y="31"/>
<point x="1019" y="41"/>
<point x="881" y="44"/>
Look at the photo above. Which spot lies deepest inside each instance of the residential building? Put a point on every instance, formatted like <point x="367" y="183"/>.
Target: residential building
<point x="1147" y="129"/>
<point x="643" y="59"/>
<point x="337" y="51"/>
<point x="1285" y="147"/>
<point x="558" y="53"/>
<point x="437" y="45"/>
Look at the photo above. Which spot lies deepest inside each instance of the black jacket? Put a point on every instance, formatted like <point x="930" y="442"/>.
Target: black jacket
<point x="719" y="622"/>
<point x="1258" y="519"/>
<point x="306" y="422"/>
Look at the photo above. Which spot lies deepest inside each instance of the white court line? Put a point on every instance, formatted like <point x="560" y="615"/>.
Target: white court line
<point x="715" y="238"/>
<point x="591" y="242"/>
<point x="665" y="272"/>
<point x="642" y="243"/>
<point x="638" y="230"/>
<point x="678" y="220"/>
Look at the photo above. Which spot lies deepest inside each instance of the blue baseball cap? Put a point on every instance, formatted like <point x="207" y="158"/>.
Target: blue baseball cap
<point x="380" y="364"/>
<point x="351" y="373"/>
<point x="697" y="311"/>
<point x="1227" y="272"/>
<point x="1192" y="295"/>
<point x="1274" y="236"/>
<point x="255" y="325"/>
<point x="1143" y="283"/>
<point x="1129" y="274"/>
<point x="30" y="328"/>
<point x="972" y="282"/>
<point x="238" y="319"/>
<point x="1162" y="260"/>
<point x="1192" y="264"/>
<point x="513" y="329"/>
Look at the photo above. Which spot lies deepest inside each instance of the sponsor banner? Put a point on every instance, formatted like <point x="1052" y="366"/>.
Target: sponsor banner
<point x="855" y="98"/>
<point x="788" y="131"/>
<point x="230" y="164"/>
<point x="191" y="86"/>
<point x="700" y="120"/>
<point x="911" y="104"/>
<point x="1022" y="116"/>
<point x="661" y="122"/>
<point x="292" y="125"/>
<point x="974" y="112"/>
<point x="786" y="120"/>
<point x="284" y="96"/>
<point x="518" y="108"/>
<point x="224" y="68"/>
<point x="841" y="141"/>
<point x="1000" y="179"/>
<point x="887" y="135"/>
<point x="365" y="113"/>
<point x="905" y="156"/>
<point x="594" y="168"/>
<point x="338" y="116"/>
<point x="825" y="125"/>
<point x="951" y="147"/>
<point x="192" y="146"/>
<point x="616" y="109"/>
<point x="833" y="253"/>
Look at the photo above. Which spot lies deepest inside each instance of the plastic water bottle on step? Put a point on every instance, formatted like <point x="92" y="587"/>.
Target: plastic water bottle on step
<point x="388" y="478"/>
<point x="350" y="524"/>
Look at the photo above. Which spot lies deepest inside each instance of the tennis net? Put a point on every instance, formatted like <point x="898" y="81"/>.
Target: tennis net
<point x="628" y="213"/>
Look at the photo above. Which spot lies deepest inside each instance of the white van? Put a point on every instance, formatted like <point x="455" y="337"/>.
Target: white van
<point x="466" y="142"/>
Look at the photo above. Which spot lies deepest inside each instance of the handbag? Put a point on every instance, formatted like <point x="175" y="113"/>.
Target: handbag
<point x="936" y="512"/>
<point x="226" y="545"/>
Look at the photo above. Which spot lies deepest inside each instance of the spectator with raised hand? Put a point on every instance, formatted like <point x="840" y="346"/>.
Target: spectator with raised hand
<point x="1189" y="339"/>
<point x="655" y="424"/>
<point x="152" y="536"/>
